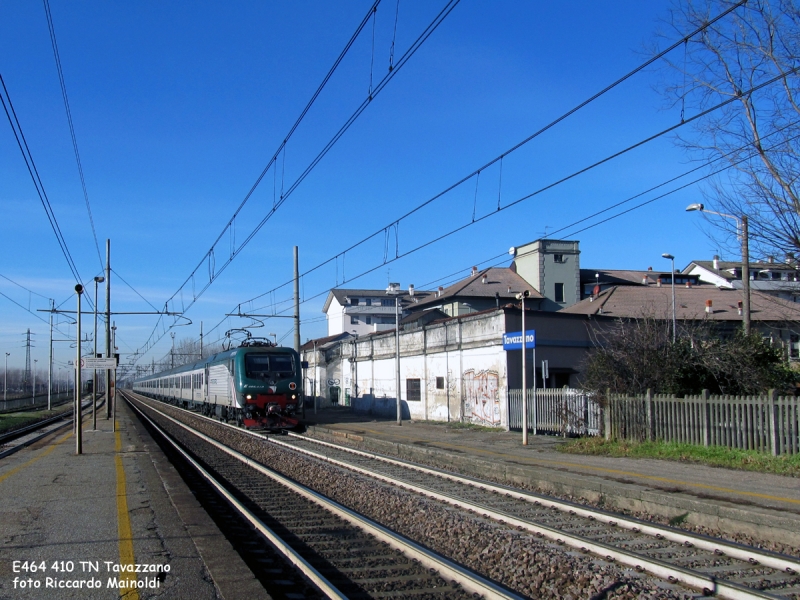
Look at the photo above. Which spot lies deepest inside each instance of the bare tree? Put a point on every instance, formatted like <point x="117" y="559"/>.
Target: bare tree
<point x="757" y="134"/>
<point x="635" y="355"/>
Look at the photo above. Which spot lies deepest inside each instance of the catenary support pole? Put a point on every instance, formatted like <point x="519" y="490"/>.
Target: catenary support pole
<point x="296" y="301"/>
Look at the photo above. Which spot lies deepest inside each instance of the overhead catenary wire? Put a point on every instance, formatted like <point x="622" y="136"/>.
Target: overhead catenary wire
<point x="500" y="158"/>
<point x="19" y="135"/>
<point x="596" y="164"/>
<point x="215" y="273"/>
<point x="57" y="57"/>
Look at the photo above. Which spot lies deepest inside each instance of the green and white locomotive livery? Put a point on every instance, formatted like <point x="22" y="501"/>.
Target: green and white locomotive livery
<point x="258" y="386"/>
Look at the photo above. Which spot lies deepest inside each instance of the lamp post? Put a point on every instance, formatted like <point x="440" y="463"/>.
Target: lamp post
<point x="35" y="360"/>
<point x="94" y="376"/>
<point x="672" y="279"/>
<point x="354" y="391"/>
<point x="394" y="290"/>
<point x="78" y="424"/>
<point x="113" y="384"/>
<point x="741" y="225"/>
<point x="5" y="379"/>
<point x="521" y="296"/>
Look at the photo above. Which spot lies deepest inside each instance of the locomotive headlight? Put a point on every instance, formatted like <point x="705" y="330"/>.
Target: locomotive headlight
<point x="249" y="397"/>
<point x="294" y="396"/>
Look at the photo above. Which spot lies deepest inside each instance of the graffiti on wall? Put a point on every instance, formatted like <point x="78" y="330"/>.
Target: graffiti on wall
<point x="482" y="391"/>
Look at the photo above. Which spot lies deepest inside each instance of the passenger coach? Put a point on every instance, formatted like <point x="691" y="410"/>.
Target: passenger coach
<point x="256" y="385"/>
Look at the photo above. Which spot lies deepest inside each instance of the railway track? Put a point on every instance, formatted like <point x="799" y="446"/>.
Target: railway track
<point x="714" y="565"/>
<point x="708" y="565"/>
<point x="340" y="553"/>
<point x="17" y="439"/>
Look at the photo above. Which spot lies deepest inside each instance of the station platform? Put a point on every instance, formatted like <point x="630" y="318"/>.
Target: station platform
<point x="72" y="526"/>
<point x="764" y="506"/>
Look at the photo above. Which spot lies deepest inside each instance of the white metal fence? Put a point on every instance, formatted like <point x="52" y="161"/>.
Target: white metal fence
<point x="562" y="411"/>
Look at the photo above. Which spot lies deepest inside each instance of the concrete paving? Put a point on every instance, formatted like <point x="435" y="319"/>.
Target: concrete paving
<point x="763" y="505"/>
<point x="74" y="520"/>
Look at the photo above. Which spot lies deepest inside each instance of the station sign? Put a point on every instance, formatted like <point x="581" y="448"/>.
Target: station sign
<point x="98" y="363"/>
<point x="513" y="340"/>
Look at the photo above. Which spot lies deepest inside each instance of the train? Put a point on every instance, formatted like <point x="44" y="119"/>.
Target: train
<point x="257" y="385"/>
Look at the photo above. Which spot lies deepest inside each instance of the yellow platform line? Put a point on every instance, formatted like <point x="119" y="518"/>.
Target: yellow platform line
<point x="124" y="523"/>
<point x="705" y="486"/>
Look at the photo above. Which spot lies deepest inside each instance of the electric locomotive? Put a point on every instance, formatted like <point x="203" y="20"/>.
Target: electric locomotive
<point x="257" y="385"/>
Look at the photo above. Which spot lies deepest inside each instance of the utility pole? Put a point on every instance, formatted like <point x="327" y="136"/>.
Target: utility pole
<point x="745" y="276"/>
<point x="296" y="301"/>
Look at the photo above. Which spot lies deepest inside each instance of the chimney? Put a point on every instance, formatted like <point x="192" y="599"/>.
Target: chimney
<point x="658" y="284"/>
<point x="474" y="271"/>
<point x="716" y="262"/>
<point x="770" y="259"/>
<point x="410" y="289"/>
<point x="483" y="279"/>
<point x="739" y="307"/>
<point x="644" y="280"/>
<point x="649" y="268"/>
<point x="790" y="258"/>
<point x="688" y="283"/>
<point x="708" y="307"/>
<point x="441" y="289"/>
<point x="509" y="291"/>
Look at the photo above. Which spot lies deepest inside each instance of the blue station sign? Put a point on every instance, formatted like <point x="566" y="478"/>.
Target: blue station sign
<point x="513" y="341"/>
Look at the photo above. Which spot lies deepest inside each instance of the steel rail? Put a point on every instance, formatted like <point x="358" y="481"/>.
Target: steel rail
<point x="719" y="547"/>
<point x="447" y="569"/>
<point x="671" y="573"/>
<point x="290" y="554"/>
<point x="18" y="433"/>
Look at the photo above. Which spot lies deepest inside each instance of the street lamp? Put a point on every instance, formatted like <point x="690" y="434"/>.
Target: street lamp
<point x="521" y="297"/>
<point x="97" y="280"/>
<point x="354" y="392"/>
<point x="672" y="279"/>
<point x="394" y="290"/>
<point x="5" y="379"/>
<point x="741" y="225"/>
<point x="78" y="423"/>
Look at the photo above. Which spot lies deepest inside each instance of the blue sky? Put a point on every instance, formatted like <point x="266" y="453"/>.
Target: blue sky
<point x="178" y="107"/>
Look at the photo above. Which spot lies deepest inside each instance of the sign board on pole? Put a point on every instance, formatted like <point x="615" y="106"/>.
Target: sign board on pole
<point x="98" y="363"/>
<point x="513" y="341"/>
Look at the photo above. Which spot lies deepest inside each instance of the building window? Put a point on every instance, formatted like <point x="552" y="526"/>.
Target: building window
<point x="368" y="301"/>
<point x="387" y="321"/>
<point x="559" y="258"/>
<point x="794" y="346"/>
<point x="353" y="320"/>
<point x="413" y="390"/>
<point x="559" y="292"/>
<point x="440" y="383"/>
<point x="353" y="301"/>
<point x="387" y="302"/>
<point x="368" y="320"/>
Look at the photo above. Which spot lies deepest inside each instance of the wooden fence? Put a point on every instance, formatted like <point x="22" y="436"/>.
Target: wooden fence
<point x="768" y="423"/>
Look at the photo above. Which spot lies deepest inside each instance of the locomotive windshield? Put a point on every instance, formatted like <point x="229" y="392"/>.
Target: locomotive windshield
<point x="268" y="366"/>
